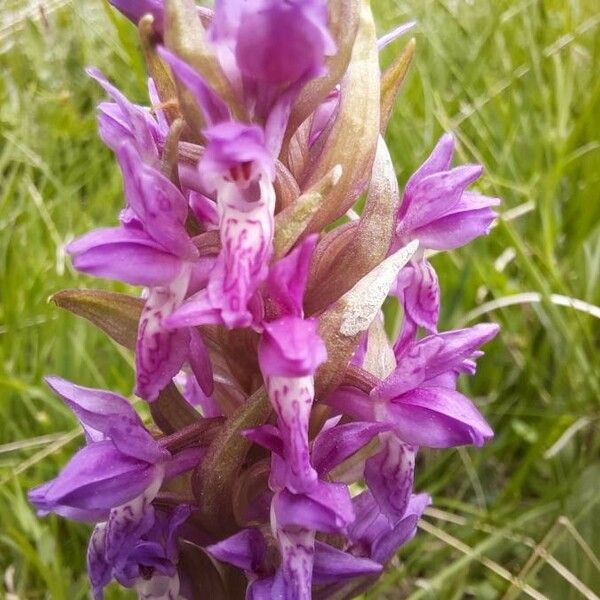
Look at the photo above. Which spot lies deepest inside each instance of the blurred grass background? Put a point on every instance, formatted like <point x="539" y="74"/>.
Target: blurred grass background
<point x="517" y="82"/>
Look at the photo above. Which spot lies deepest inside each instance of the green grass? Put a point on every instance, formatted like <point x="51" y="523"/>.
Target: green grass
<point x="515" y="81"/>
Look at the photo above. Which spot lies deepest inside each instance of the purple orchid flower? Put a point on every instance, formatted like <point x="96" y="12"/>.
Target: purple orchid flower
<point x="137" y="546"/>
<point x="295" y="517"/>
<point x="420" y="404"/>
<point x="122" y="120"/>
<point x="289" y="353"/>
<point x="371" y="534"/>
<point x="227" y="222"/>
<point x="270" y="49"/>
<point x="437" y="210"/>
<point x="121" y="461"/>
<point x="151" y="248"/>
<point x="237" y="167"/>
<point x="248" y="550"/>
<point x="419" y="398"/>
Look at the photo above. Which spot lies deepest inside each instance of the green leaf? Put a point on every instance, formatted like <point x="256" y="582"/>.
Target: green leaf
<point x="115" y="314"/>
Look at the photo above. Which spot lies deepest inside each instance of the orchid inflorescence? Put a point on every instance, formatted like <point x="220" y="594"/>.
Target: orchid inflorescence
<point x="281" y="459"/>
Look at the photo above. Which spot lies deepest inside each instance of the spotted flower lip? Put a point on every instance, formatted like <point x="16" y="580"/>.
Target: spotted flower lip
<point x="238" y="168"/>
<point x="247" y="550"/>
<point x="283" y="426"/>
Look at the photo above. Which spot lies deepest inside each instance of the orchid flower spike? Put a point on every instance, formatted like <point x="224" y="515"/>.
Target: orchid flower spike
<point x="277" y="455"/>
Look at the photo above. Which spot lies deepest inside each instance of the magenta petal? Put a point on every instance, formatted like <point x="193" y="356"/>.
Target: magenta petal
<point x="126" y="255"/>
<point x="266" y="436"/>
<point x="422" y="296"/>
<point x="437" y="194"/>
<point x="158" y="204"/>
<point x="324" y="114"/>
<point x="291" y="347"/>
<point x="112" y="125"/>
<point x="333" y="446"/>
<point x="171" y="528"/>
<point x="332" y="565"/>
<point x="98" y="477"/>
<point x="245" y="550"/>
<point x="387" y="544"/>
<point x="372" y="532"/>
<point x="214" y="109"/>
<point x="439" y="160"/>
<point x="37" y="497"/>
<point x="287" y="277"/>
<point x="328" y="508"/>
<point x="184" y="461"/>
<point x="437" y="210"/>
<point x="369" y="522"/>
<point x="262" y="589"/>
<point x="467" y="221"/>
<point x="390" y="475"/>
<point x="279" y="42"/>
<point x="141" y="127"/>
<point x="434" y="356"/>
<point x="438" y="418"/>
<point x="280" y="113"/>
<point x="226" y="20"/>
<point x="107" y="415"/>
<point x="196" y="310"/>
<point x="353" y="402"/>
<point x="193" y="393"/>
<point x="204" y="209"/>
